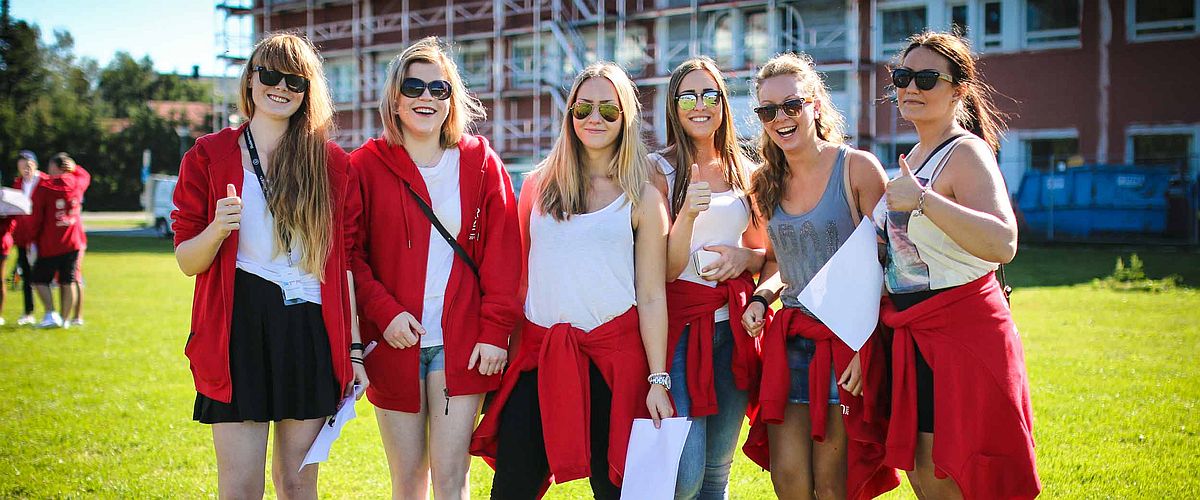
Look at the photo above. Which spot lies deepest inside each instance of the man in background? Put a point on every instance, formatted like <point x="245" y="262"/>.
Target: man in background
<point x="28" y="178"/>
<point x="59" y="236"/>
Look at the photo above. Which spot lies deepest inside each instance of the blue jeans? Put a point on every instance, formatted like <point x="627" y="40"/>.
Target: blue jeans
<point x="712" y="440"/>
<point x="433" y="359"/>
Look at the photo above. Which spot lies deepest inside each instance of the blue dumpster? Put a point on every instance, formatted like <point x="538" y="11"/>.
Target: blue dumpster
<point x="1091" y="200"/>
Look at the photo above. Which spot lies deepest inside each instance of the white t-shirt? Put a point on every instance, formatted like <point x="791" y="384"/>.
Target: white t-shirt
<point x="256" y="246"/>
<point x="442" y="182"/>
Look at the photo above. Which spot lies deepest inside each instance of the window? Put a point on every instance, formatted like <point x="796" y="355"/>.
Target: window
<point x="1174" y="150"/>
<point x="958" y="20"/>
<point x="341" y="80"/>
<point x="719" y="40"/>
<point x="475" y="64"/>
<point x="992" y="35"/>
<point x="896" y="25"/>
<point x="1044" y="154"/>
<point x="1162" y="19"/>
<point x="758" y="39"/>
<point x="1051" y="23"/>
<point x="523" y="63"/>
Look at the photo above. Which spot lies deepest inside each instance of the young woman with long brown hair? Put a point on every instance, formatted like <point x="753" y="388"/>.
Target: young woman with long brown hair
<point x="705" y="176"/>
<point x="948" y="224"/>
<point x="442" y="318"/>
<point x="592" y="351"/>
<point x="259" y="224"/>
<point x="817" y="427"/>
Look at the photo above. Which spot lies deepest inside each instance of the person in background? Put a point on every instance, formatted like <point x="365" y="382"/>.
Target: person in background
<point x="58" y="234"/>
<point x="28" y="178"/>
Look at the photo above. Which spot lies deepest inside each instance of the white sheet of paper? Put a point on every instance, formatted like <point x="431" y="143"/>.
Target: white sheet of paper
<point x="319" y="451"/>
<point x="652" y="462"/>
<point x="14" y="202"/>
<point x="845" y="292"/>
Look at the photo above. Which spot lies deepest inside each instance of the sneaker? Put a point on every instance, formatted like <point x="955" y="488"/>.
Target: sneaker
<point x="73" y="322"/>
<point x="2" y="322"/>
<point x="51" y="320"/>
<point x="26" y="320"/>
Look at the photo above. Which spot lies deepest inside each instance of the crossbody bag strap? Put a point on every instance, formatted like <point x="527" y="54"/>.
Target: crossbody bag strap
<point x="458" y="249"/>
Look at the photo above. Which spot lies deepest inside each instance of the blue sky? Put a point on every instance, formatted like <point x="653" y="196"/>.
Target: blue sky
<point x="176" y="34"/>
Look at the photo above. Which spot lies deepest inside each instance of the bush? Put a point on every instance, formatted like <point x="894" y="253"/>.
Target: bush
<point x="1132" y="278"/>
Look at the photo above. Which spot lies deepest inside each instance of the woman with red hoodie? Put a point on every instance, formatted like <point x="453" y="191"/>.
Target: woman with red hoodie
<point x="259" y="224"/>
<point x="437" y="266"/>
<point x="948" y="224"/>
<point x="592" y="353"/>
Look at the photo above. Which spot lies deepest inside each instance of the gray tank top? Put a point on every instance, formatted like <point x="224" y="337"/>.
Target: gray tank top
<point x="805" y="242"/>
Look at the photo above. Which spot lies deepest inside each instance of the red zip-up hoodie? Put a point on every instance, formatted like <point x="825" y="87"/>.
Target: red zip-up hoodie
<point x="57" y="202"/>
<point x="214" y="162"/>
<point x="391" y="249"/>
<point x="22" y="234"/>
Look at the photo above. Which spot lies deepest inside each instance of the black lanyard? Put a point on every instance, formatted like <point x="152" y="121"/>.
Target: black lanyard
<point x="266" y="189"/>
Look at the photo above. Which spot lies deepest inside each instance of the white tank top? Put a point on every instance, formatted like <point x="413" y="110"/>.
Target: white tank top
<point x="920" y="256"/>
<point x="727" y="217"/>
<point x="581" y="269"/>
<point x="256" y="246"/>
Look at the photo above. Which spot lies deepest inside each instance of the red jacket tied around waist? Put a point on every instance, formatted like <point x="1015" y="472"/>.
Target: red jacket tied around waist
<point x="391" y="236"/>
<point x="561" y="354"/>
<point x="983" y="418"/>
<point x="864" y="416"/>
<point x="695" y="304"/>
<point x="212" y="164"/>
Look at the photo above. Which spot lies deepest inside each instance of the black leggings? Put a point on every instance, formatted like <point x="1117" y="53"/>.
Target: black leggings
<point x="521" y="464"/>
<point x="26" y="275"/>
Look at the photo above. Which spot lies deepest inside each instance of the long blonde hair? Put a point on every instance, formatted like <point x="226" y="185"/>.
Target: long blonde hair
<point x="767" y="183"/>
<point x="464" y="111"/>
<point x="563" y="187"/>
<point x="299" y="197"/>
<point x="681" y="146"/>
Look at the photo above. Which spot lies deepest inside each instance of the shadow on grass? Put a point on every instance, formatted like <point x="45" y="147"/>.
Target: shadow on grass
<point x="1075" y="264"/>
<point x="98" y="243"/>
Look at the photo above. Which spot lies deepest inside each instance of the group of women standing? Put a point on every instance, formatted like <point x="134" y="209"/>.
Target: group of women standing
<point x="621" y="285"/>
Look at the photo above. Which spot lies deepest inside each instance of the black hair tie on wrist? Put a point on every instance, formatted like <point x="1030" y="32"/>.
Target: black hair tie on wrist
<point x="357" y="345"/>
<point x="760" y="299"/>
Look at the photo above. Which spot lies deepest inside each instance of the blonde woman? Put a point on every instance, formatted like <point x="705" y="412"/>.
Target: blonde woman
<point x="442" y="317"/>
<point x="712" y="253"/>
<point x="592" y="353"/>
<point x="819" y="426"/>
<point x="259" y="224"/>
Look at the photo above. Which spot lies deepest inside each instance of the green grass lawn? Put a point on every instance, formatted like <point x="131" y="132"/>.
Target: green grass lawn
<point x="105" y="411"/>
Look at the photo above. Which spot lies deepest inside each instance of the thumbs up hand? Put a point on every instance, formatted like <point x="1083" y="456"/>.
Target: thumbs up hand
<point x="698" y="196"/>
<point x="228" y="216"/>
<point x="904" y="191"/>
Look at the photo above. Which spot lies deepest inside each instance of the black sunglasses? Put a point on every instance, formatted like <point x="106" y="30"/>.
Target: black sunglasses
<point x="271" y="78"/>
<point x="926" y="78"/>
<point x="608" y="111"/>
<point x="790" y="107"/>
<point x="688" y="100"/>
<point x="414" y="87"/>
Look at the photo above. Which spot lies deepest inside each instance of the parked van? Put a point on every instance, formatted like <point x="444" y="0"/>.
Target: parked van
<point x="158" y="202"/>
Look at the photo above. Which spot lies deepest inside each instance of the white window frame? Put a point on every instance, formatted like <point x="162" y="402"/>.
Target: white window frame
<point x="934" y="12"/>
<point x="1026" y="43"/>
<point x="1131" y="25"/>
<point x="1174" y="129"/>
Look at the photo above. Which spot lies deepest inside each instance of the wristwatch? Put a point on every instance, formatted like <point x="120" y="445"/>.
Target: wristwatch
<point x="660" y="378"/>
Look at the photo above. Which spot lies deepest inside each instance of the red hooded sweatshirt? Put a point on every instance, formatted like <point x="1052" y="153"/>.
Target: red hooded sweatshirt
<point x="23" y="233"/>
<point x="983" y="417"/>
<point x="214" y="162"/>
<point x="695" y="304"/>
<point x="57" y="202"/>
<point x="389" y="259"/>
<point x="863" y="416"/>
<point x="560" y="354"/>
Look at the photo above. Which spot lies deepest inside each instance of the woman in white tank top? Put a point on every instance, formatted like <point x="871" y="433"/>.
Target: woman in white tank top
<point x="595" y="234"/>
<point x="704" y="177"/>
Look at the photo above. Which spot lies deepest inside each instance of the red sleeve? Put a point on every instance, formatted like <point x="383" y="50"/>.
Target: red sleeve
<point x="193" y="205"/>
<point x="375" y="302"/>
<point x="500" y="259"/>
<point x="83" y="179"/>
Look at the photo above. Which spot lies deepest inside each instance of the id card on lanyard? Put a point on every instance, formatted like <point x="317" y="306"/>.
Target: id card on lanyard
<point x="292" y="285"/>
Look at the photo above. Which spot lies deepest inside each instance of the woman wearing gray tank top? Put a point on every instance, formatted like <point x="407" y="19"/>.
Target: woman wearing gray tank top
<point x="809" y="195"/>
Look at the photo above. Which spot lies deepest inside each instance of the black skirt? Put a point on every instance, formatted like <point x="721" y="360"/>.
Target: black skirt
<point x="279" y="359"/>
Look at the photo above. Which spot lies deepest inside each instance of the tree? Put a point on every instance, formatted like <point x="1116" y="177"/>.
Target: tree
<point x="125" y="83"/>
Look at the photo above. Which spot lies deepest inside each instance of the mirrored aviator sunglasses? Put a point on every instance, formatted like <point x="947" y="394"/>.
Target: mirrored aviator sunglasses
<point x="790" y="107"/>
<point x="688" y="101"/>
<point x="926" y="78"/>
<point x="271" y="78"/>
<point x="415" y="87"/>
<point x="608" y="111"/>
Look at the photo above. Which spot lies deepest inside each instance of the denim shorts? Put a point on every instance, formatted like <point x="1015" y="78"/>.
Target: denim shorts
<point x="433" y="359"/>
<point x="800" y="354"/>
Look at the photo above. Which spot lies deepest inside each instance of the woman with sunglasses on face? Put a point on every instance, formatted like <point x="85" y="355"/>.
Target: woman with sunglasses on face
<point x="592" y="353"/>
<point x="259" y="224"/>
<point x="442" y="317"/>
<point x="704" y="176"/>
<point x="948" y="223"/>
<point x="817" y="427"/>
